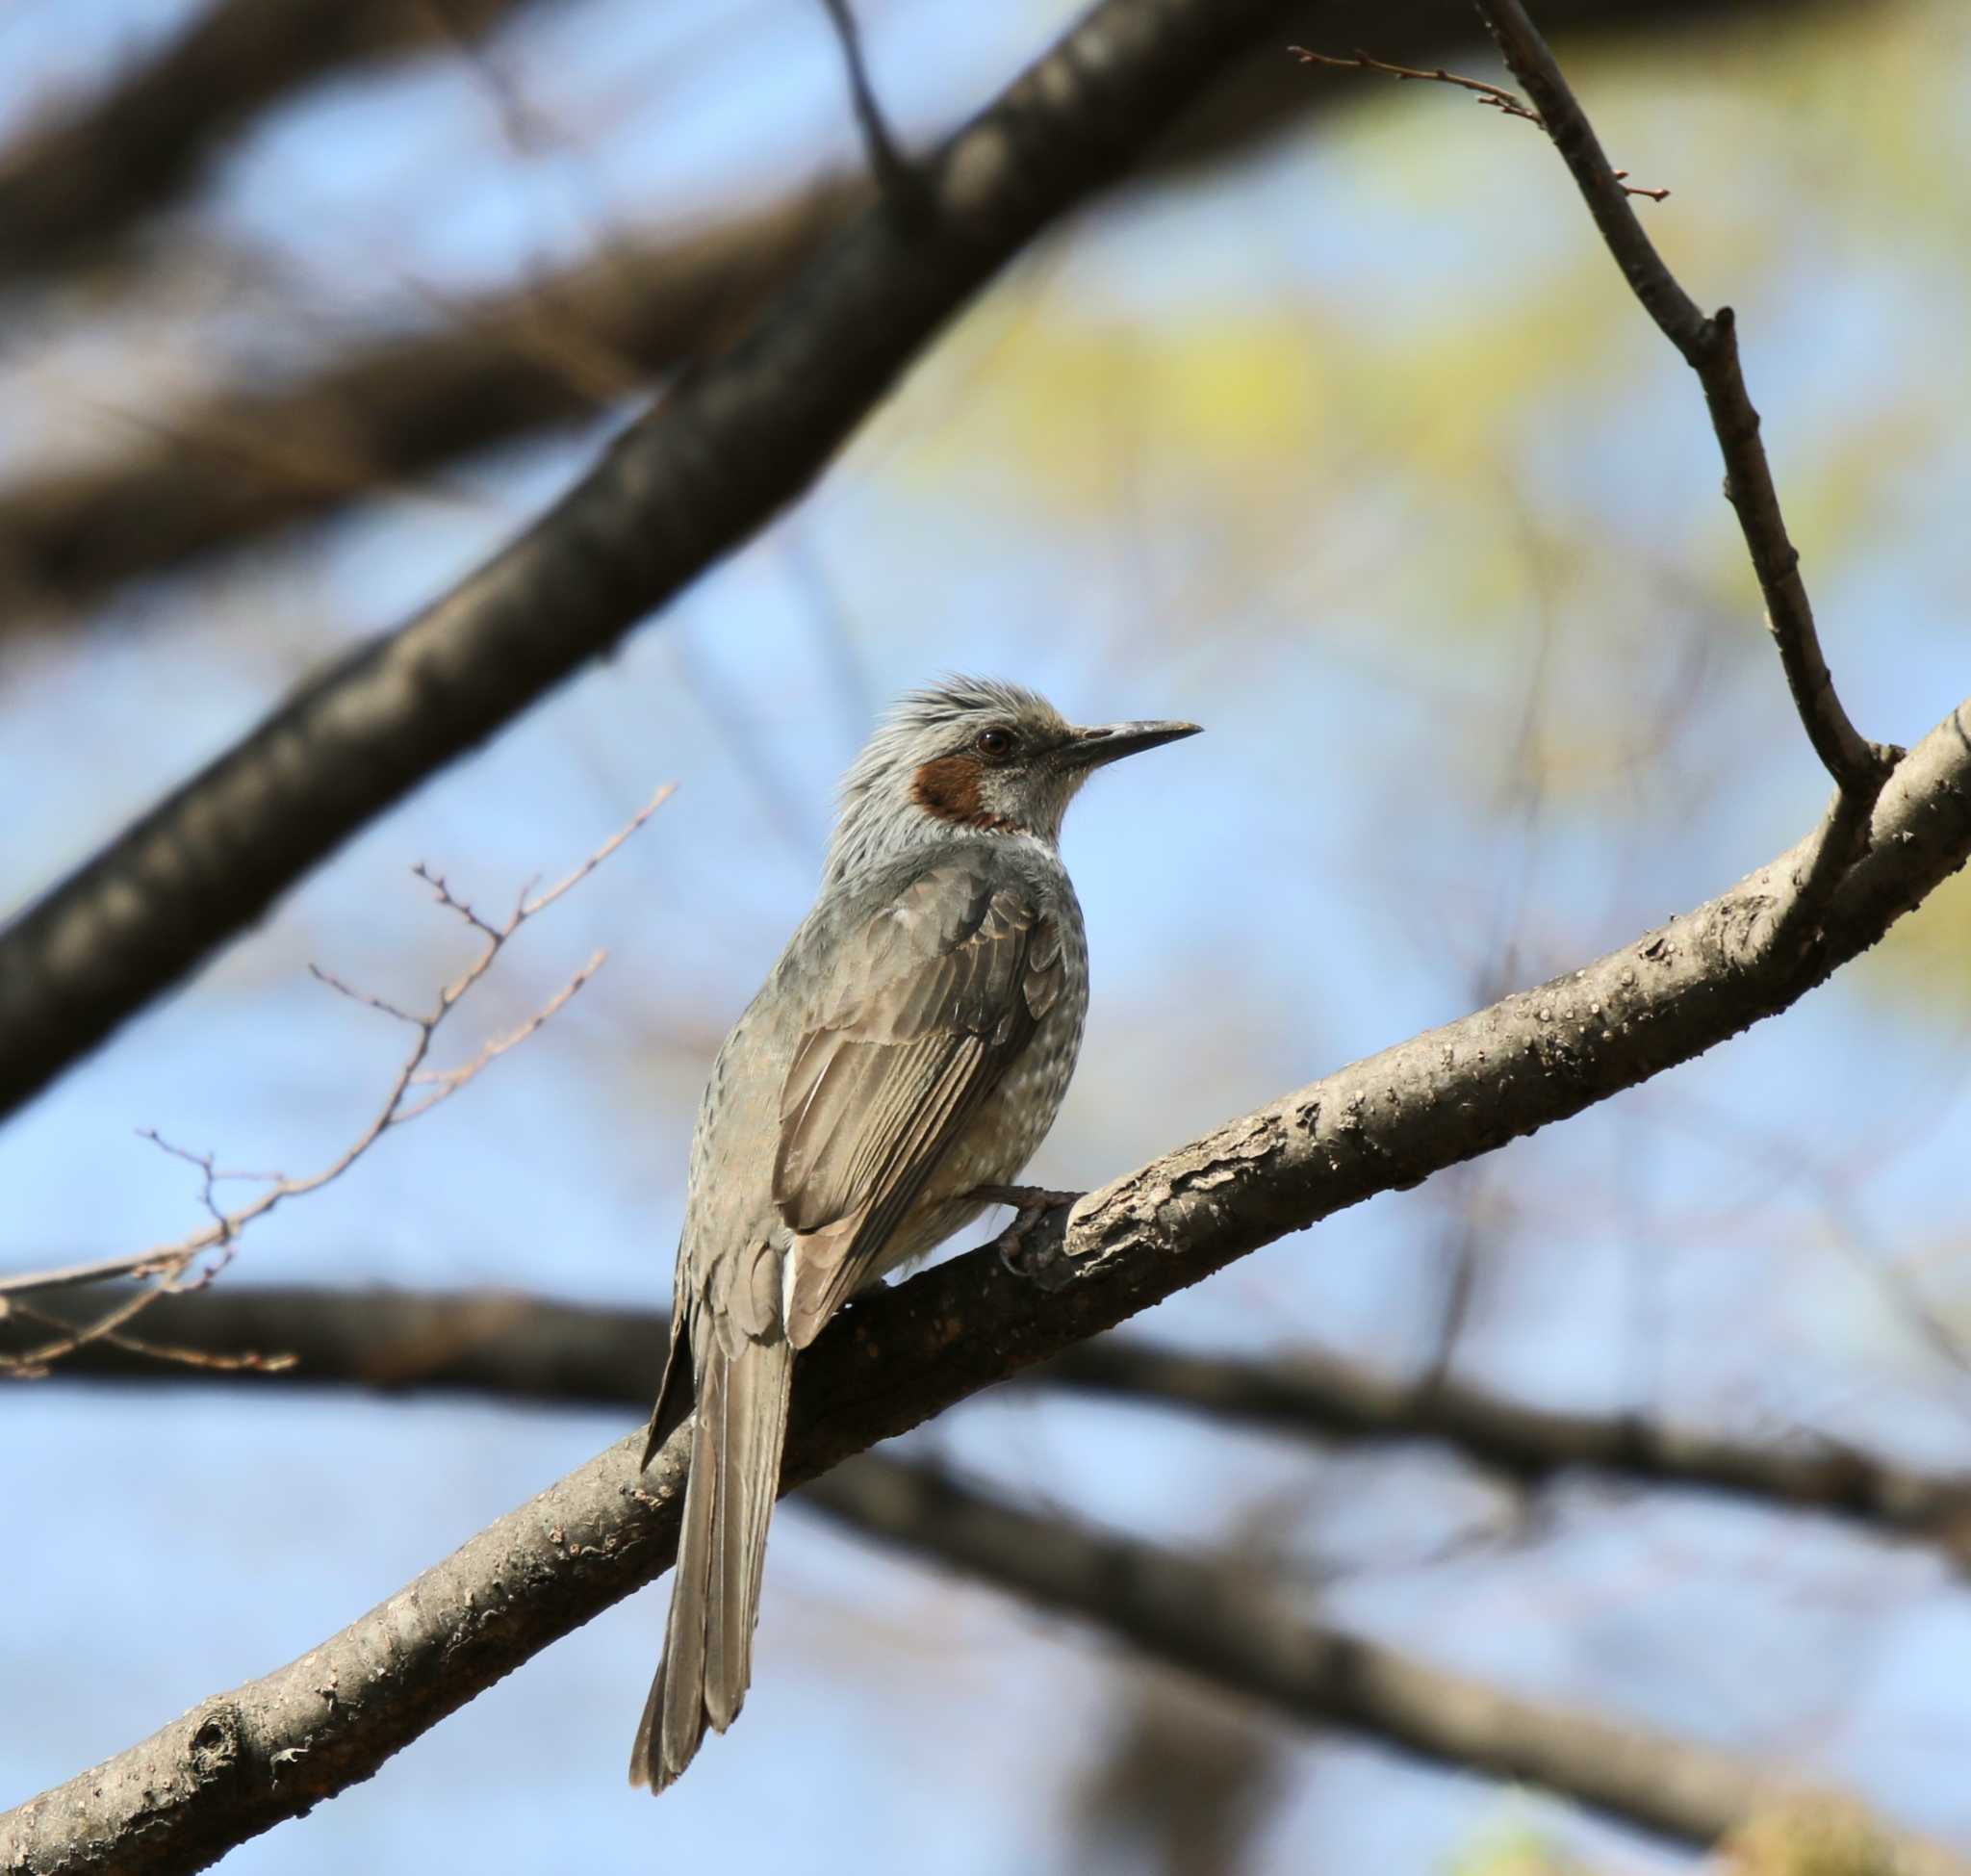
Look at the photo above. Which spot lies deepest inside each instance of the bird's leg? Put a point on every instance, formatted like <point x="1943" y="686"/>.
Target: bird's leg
<point x="1031" y="1204"/>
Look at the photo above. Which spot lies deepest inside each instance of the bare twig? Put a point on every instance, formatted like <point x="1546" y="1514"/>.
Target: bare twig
<point x="1460" y="1254"/>
<point x="171" y="1265"/>
<point x="152" y="1355"/>
<point x="1711" y="347"/>
<point x="894" y="176"/>
<point x="1496" y="95"/>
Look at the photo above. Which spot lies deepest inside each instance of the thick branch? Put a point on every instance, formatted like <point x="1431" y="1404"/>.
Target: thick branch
<point x="1710" y="348"/>
<point x="1239" y="1630"/>
<point x="726" y="449"/>
<point x="516" y="1348"/>
<point x="244" y="1761"/>
<point x="231" y="469"/>
<point x="73" y="184"/>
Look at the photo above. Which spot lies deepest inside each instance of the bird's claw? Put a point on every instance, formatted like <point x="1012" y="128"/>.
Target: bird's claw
<point x="1040" y="1263"/>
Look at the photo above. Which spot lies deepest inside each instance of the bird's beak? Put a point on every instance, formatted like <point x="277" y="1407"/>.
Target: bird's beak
<point x="1090" y="749"/>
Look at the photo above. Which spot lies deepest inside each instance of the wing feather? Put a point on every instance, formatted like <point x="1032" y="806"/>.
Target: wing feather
<point x="933" y="1001"/>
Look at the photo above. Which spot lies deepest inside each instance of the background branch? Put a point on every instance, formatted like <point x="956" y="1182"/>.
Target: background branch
<point x="240" y="1763"/>
<point x="529" y="1350"/>
<point x="238" y="465"/>
<point x="1241" y="1631"/>
<point x="74" y="184"/>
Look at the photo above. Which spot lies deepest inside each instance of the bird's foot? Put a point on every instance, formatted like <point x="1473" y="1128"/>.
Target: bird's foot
<point x="1023" y="1247"/>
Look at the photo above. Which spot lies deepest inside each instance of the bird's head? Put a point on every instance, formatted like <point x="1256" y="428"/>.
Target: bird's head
<point x="972" y="756"/>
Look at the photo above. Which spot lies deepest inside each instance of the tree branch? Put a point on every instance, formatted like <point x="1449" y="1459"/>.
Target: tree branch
<point x="726" y="449"/>
<point x="1243" y="1630"/>
<point x="415" y="1090"/>
<point x="1323" y="1392"/>
<point x="239" y="465"/>
<point x="242" y="1762"/>
<point x="515" y="1348"/>
<point x="1709" y="347"/>
<point x="887" y="165"/>
<point x="234" y="468"/>
<point x="73" y="186"/>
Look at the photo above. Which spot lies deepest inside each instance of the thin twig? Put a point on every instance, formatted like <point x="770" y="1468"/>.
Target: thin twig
<point x="1496" y="95"/>
<point x="160" y="1356"/>
<point x="171" y="1265"/>
<point x="1492" y="94"/>
<point x="1709" y="346"/>
<point x="899" y="183"/>
<point x="448" y="1081"/>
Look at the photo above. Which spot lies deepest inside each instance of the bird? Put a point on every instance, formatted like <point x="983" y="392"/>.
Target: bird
<point x="905" y="1058"/>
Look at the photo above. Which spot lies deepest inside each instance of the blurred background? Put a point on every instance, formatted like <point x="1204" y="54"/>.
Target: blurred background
<point x="1338" y="432"/>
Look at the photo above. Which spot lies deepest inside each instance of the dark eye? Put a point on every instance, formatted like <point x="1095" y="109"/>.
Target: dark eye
<point x="994" y="742"/>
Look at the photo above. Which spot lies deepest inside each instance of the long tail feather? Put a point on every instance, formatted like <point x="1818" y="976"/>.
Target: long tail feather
<point x="728" y="1498"/>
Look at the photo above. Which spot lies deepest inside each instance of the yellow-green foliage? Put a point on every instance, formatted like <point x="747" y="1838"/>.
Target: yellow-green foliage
<point x="1514" y="1850"/>
<point x="1817" y="1840"/>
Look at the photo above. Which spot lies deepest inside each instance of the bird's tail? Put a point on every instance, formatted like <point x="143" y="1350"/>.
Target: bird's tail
<point x="735" y="1473"/>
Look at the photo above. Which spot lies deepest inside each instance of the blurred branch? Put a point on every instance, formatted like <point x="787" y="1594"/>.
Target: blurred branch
<point x="1325" y="1394"/>
<point x="414" y="1093"/>
<point x="516" y="1348"/>
<point x="237" y="466"/>
<point x="886" y="163"/>
<point x="1185" y="1785"/>
<point x="241" y="464"/>
<point x="1240" y="1631"/>
<point x="1709" y="347"/>
<point x="239" y="1764"/>
<point x="83" y="177"/>
<point x="725" y="450"/>
<point x="501" y="1344"/>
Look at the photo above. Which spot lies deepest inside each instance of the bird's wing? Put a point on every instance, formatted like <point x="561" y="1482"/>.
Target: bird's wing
<point x="930" y="1001"/>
